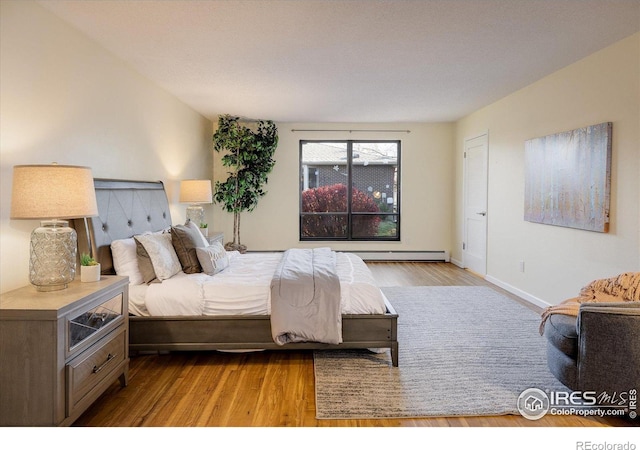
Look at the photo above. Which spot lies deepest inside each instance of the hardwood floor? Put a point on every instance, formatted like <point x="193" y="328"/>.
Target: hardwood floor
<point x="271" y="389"/>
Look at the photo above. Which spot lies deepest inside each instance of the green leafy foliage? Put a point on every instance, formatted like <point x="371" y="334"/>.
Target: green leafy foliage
<point x="248" y="153"/>
<point x="87" y="260"/>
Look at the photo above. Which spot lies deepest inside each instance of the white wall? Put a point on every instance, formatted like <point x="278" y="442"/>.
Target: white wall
<point x="63" y="98"/>
<point x="427" y="165"/>
<point x="604" y="87"/>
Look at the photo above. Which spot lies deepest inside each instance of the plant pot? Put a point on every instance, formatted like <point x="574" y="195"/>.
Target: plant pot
<point x="89" y="274"/>
<point x="205" y="231"/>
<point x="230" y="246"/>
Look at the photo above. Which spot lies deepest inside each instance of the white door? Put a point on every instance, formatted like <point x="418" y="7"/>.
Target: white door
<point x="476" y="151"/>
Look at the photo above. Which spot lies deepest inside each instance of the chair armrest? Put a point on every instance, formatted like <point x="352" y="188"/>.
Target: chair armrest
<point x="609" y="346"/>
<point x="616" y="308"/>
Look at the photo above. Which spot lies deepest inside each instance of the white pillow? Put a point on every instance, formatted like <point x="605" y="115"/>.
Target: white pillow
<point x="125" y="261"/>
<point x="162" y="254"/>
<point x="212" y="258"/>
<point x="190" y="224"/>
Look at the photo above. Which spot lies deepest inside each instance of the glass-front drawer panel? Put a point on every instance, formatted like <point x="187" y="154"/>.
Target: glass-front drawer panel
<point x="90" y="322"/>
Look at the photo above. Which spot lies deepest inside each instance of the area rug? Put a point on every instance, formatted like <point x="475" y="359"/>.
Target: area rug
<point x="464" y="351"/>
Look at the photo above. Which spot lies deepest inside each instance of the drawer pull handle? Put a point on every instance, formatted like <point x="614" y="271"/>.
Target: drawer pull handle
<point x="97" y="369"/>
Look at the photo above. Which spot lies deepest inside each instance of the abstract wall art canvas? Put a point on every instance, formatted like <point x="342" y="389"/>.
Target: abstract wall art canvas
<point x="568" y="178"/>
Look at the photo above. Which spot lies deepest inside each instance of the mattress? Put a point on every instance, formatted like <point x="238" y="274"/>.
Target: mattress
<point x="243" y="288"/>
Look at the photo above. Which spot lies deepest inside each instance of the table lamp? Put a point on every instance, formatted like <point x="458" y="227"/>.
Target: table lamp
<point x="195" y="192"/>
<point x="52" y="193"/>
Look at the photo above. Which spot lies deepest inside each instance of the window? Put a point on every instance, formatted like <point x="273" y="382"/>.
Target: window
<point x="349" y="190"/>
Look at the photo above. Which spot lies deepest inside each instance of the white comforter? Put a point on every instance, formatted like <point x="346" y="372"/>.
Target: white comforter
<point x="244" y="288"/>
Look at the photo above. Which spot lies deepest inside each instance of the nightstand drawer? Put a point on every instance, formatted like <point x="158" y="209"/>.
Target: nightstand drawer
<point x="90" y="325"/>
<point x="87" y="370"/>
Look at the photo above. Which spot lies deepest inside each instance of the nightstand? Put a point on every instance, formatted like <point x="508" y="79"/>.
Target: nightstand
<point x="215" y="236"/>
<point x="61" y="350"/>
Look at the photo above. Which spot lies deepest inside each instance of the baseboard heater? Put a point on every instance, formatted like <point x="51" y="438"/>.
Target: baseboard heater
<point x="427" y="256"/>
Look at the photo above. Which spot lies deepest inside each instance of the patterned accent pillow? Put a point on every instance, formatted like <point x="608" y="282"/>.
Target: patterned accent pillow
<point x="213" y="258"/>
<point x="145" y="266"/>
<point x="185" y="240"/>
<point x="162" y="254"/>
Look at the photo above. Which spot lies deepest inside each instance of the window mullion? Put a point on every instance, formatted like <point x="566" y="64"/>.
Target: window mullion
<point x="349" y="189"/>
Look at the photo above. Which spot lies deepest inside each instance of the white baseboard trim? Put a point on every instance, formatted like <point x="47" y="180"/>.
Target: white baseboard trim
<point x="428" y="255"/>
<point x="457" y="262"/>
<point x="519" y="292"/>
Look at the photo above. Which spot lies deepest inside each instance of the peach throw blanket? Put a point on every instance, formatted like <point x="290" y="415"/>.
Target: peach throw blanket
<point x="622" y="288"/>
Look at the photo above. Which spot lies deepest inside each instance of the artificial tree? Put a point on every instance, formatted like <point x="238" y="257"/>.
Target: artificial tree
<point x="248" y="153"/>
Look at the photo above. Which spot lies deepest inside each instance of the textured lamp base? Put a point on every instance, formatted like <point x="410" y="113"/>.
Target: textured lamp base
<point x="52" y="264"/>
<point x="195" y="213"/>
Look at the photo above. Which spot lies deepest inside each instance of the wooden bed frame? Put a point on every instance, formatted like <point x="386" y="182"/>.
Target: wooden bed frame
<point x="127" y="208"/>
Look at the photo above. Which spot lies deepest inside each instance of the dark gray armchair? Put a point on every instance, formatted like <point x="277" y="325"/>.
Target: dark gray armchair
<point x="597" y="351"/>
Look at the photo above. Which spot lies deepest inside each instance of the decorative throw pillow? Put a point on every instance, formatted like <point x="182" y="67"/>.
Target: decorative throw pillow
<point x="185" y="239"/>
<point x="145" y="265"/>
<point x="213" y="258"/>
<point x="125" y="261"/>
<point x="202" y="239"/>
<point x="162" y="254"/>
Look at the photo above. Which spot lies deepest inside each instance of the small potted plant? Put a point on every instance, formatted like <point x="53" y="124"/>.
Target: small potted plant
<point x="89" y="269"/>
<point x="204" y="228"/>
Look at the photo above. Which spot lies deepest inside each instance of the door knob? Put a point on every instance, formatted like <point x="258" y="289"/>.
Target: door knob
<point x="483" y="213"/>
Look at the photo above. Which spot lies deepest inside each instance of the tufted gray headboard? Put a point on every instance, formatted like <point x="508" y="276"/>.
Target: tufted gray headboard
<point x="125" y="208"/>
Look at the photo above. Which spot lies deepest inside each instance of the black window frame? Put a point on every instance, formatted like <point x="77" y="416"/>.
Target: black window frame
<point x="350" y="214"/>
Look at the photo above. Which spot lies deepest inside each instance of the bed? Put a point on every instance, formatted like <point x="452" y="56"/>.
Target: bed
<point x="132" y="208"/>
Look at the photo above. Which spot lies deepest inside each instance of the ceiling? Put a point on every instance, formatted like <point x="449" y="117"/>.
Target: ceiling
<point x="348" y="61"/>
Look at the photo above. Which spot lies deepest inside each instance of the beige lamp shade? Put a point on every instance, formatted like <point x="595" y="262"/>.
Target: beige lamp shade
<point x="196" y="191"/>
<point x="52" y="192"/>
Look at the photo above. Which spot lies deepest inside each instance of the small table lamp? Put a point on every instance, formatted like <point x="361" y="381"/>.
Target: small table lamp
<point x="52" y="192"/>
<point x="195" y="192"/>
